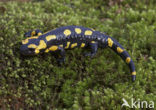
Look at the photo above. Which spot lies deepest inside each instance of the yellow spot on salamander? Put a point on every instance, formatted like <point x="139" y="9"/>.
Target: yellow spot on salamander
<point x="60" y="45"/>
<point x="128" y="59"/>
<point x="50" y="37"/>
<point x="39" y="34"/>
<point x="27" y="40"/>
<point x="82" y="45"/>
<point x="34" y="37"/>
<point x="67" y="46"/>
<point x="78" y="30"/>
<point x="92" y="41"/>
<point x="47" y="50"/>
<point x="32" y="46"/>
<point x="42" y="45"/>
<point x="67" y="32"/>
<point x="53" y="48"/>
<point x="110" y="42"/>
<point x="134" y="73"/>
<point x="73" y="45"/>
<point x="33" y="33"/>
<point x="88" y="32"/>
<point x="37" y="51"/>
<point x="119" y="50"/>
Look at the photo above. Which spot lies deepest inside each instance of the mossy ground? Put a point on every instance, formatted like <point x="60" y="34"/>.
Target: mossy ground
<point x="81" y="83"/>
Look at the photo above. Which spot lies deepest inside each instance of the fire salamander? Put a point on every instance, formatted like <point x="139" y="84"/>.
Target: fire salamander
<point x="69" y="37"/>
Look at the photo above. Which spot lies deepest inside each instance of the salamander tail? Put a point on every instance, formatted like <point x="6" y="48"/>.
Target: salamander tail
<point x="114" y="45"/>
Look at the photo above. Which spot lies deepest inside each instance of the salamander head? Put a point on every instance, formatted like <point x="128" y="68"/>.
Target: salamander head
<point x="36" y="32"/>
<point x="32" y="46"/>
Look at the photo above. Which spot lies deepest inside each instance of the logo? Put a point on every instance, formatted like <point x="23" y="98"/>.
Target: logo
<point x="138" y="103"/>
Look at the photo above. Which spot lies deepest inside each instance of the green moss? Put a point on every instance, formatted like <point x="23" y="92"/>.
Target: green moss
<point x="81" y="83"/>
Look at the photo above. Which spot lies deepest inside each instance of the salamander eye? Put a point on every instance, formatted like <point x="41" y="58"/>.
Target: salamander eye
<point x="27" y="34"/>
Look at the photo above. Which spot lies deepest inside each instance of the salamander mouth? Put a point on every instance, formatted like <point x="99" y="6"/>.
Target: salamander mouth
<point x="26" y="51"/>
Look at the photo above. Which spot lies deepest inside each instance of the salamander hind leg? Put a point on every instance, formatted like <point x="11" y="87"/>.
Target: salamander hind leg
<point x="93" y="46"/>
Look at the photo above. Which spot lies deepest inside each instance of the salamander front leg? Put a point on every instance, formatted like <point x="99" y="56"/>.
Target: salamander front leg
<point x="93" y="46"/>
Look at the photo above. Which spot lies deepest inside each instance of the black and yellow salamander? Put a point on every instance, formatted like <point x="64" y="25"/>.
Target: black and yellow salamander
<point x="69" y="37"/>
